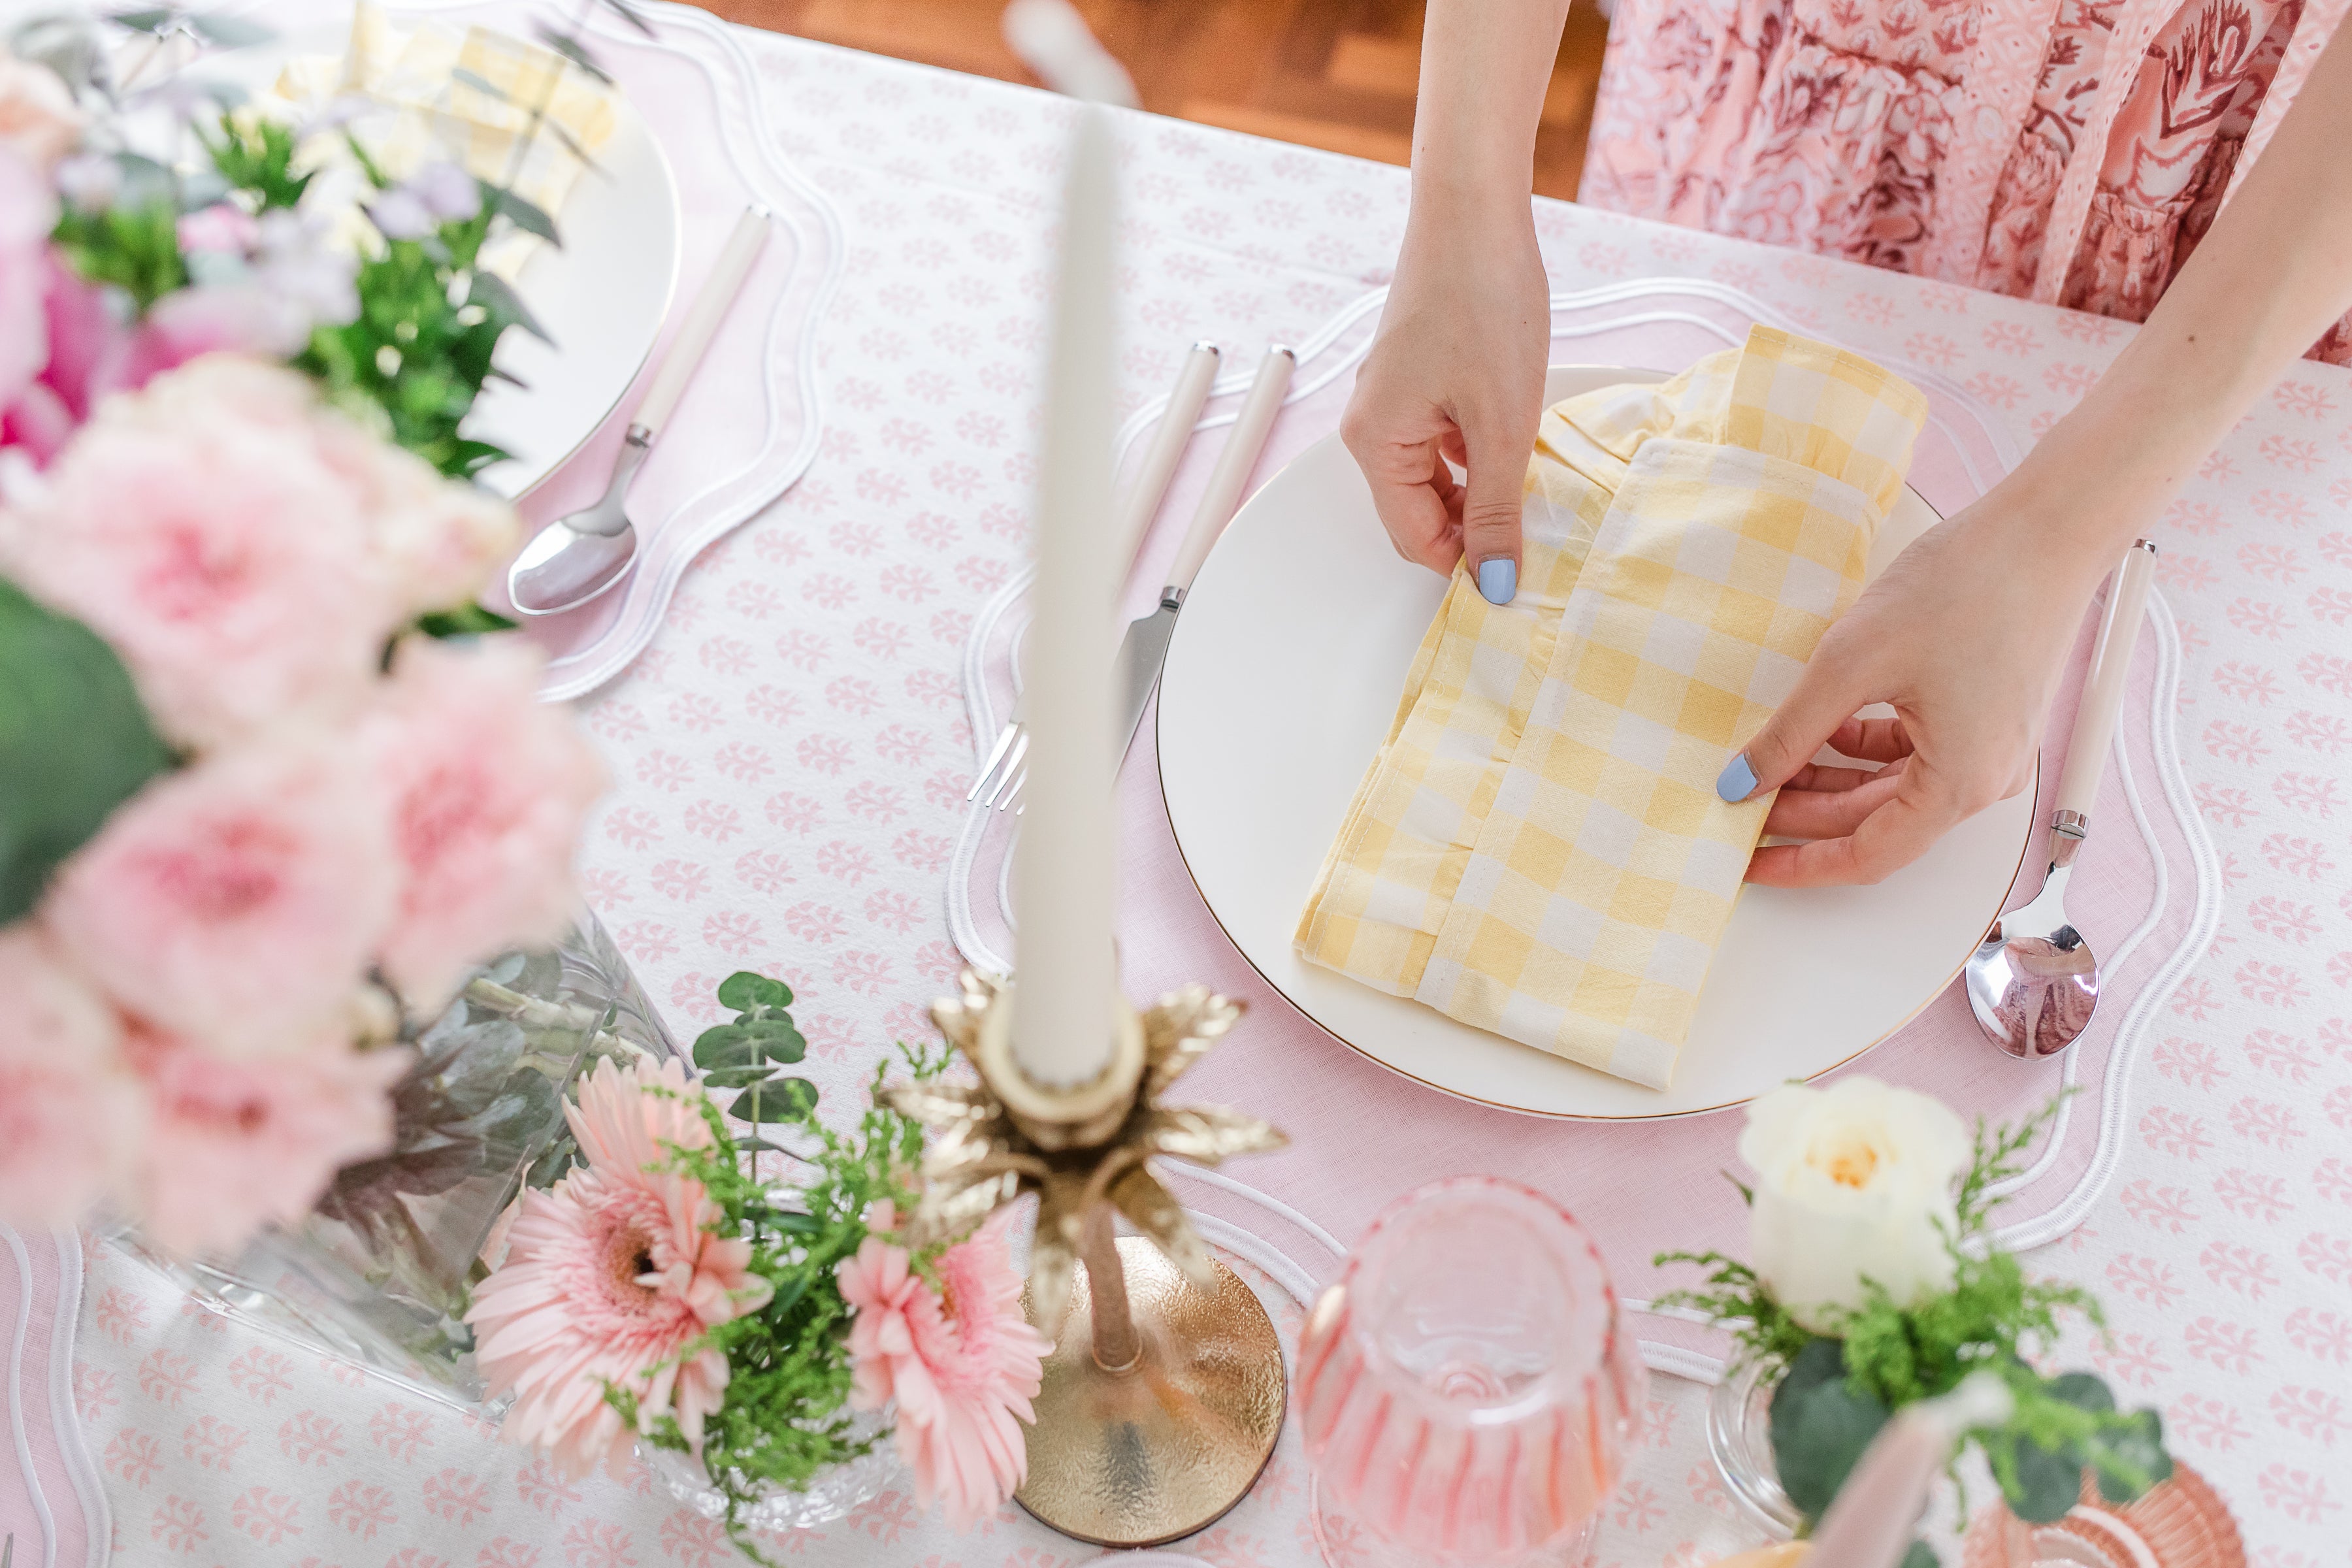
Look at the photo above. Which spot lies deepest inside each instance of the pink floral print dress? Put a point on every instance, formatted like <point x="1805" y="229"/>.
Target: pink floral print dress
<point x="2068" y="151"/>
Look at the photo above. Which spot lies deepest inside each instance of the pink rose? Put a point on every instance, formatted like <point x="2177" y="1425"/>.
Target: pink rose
<point x="490" y="790"/>
<point x="237" y="902"/>
<point x="27" y="212"/>
<point x="67" y="1111"/>
<point x="217" y="550"/>
<point x="231" y="1146"/>
<point x="38" y="119"/>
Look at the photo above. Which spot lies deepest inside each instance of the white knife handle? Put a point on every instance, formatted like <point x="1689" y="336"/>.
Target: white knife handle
<point x="1234" y="463"/>
<point x="702" y="319"/>
<point x="2102" y="692"/>
<point x="1141" y="502"/>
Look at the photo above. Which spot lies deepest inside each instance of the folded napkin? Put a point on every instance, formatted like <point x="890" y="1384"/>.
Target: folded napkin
<point x="1538" y="849"/>
<point x="507" y="112"/>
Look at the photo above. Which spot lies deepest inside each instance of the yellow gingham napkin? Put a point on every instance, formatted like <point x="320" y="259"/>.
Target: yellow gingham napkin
<point x="1538" y="849"/>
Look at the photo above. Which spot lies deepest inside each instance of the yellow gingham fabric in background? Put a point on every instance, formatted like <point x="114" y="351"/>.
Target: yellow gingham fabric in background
<point x="1538" y="850"/>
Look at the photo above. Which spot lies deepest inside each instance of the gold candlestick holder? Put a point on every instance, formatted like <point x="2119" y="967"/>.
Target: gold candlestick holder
<point x="1165" y="1390"/>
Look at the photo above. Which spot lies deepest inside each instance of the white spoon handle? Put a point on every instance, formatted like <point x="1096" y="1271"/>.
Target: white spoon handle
<point x="702" y="319"/>
<point x="2103" y="693"/>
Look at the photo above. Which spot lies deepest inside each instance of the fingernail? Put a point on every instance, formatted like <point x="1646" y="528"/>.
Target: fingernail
<point x="1737" y="780"/>
<point x="1498" y="579"/>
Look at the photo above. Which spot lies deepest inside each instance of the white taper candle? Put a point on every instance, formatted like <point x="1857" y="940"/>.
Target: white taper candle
<point x="1062" y="868"/>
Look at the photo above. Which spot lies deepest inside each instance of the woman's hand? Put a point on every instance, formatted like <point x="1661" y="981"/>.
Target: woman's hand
<point x="1456" y="373"/>
<point x="1964" y="634"/>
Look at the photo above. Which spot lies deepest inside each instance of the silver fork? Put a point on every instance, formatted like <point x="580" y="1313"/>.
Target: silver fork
<point x="1002" y="776"/>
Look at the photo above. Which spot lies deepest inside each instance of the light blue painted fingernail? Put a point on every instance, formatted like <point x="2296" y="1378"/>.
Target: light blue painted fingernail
<point x="1498" y="579"/>
<point x="1737" y="780"/>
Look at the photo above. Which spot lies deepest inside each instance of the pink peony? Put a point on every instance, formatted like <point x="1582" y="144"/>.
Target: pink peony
<point x="489" y="788"/>
<point x="68" y="1118"/>
<point x="27" y="213"/>
<point x="963" y="1364"/>
<point x="239" y="901"/>
<point x="214" y="548"/>
<point x="611" y="1279"/>
<point x="432" y="542"/>
<point x="230" y="1146"/>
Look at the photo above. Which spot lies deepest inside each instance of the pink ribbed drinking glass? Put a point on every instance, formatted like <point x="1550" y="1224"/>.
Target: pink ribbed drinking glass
<point x="1467" y="1390"/>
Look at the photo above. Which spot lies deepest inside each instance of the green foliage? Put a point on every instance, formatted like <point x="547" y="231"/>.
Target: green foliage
<point x="422" y="346"/>
<point x="1821" y="1425"/>
<point x="465" y="621"/>
<point x="74" y="744"/>
<point x="786" y="1415"/>
<point x="255" y="154"/>
<point x="1838" y="1389"/>
<point x="744" y="1054"/>
<point x="134" y="245"/>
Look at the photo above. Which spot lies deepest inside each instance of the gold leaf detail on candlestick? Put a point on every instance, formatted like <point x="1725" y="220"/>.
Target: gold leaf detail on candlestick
<point x="980" y="1156"/>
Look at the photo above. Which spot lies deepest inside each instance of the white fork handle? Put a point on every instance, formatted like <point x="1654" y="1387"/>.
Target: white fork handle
<point x="702" y="319"/>
<point x="2102" y="692"/>
<point x="1140" y="504"/>
<point x="1234" y="463"/>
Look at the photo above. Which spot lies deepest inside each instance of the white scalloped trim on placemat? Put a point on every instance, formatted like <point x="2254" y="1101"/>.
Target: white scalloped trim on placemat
<point x="2074" y="1167"/>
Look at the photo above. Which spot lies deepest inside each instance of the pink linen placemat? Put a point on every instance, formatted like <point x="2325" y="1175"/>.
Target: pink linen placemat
<point x="2147" y="893"/>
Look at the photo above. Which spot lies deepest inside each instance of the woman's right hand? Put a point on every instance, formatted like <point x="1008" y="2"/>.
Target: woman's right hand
<point x="1456" y="373"/>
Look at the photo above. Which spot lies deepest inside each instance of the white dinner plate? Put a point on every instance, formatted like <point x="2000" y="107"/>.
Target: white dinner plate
<point x="601" y="296"/>
<point x="1279" y="688"/>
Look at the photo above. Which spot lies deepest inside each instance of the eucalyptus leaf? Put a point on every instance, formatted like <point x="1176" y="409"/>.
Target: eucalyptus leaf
<point x="2084" y="1391"/>
<point x="725" y="1045"/>
<point x="1819" y="1427"/>
<point x="786" y="1099"/>
<point x="2140" y="1446"/>
<point x="74" y="744"/>
<point x="792" y="1223"/>
<point x="737" y="1077"/>
<point x="2045" y="1484"/>
<point x="1919" y="1555"/>
<point x="744" y="989"/>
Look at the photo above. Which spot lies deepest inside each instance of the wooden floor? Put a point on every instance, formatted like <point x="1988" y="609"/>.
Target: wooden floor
<point x="1338" y="74"/>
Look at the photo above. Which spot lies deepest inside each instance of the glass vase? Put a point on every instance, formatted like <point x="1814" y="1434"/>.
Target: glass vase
<point x="381" y="1271"/>
<point x="1468" y="1389"/>
<point x="831" y="1494"/>
<point x="1739" y="1439"/>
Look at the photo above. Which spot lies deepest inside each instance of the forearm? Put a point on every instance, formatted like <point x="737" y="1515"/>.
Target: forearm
<point x="2271" y="274"/>
<point x="1485" y="67"/>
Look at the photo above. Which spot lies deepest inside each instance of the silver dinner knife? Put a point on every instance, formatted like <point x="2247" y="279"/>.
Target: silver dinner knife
<point x="1145" y="647"/>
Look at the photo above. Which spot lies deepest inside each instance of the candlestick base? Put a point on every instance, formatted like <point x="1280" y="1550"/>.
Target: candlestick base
<point x="1152" y="1454"/>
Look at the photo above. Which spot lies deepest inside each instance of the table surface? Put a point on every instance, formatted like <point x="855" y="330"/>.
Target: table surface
<point x="791" y="755"/>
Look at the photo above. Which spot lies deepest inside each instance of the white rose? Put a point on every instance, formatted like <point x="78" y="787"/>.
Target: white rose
<point x="1852" y="1181"/>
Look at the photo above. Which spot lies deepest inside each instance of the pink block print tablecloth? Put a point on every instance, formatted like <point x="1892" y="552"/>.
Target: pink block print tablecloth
<point x="792" y="749"/>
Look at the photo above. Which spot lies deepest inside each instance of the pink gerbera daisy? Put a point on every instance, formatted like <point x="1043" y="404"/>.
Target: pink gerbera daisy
<point x="611" y="1277"/>
<point x="962" y="1363"/>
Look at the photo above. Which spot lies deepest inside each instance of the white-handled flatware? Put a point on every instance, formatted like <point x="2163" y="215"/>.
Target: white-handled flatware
<point x="2033" y="981"/>
<point x="575" y="559"/>
<point x="1145" y="647"/>
<point x="1002" y="772"/>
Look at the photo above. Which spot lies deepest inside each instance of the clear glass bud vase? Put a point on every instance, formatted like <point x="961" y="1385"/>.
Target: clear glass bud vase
<point x="381" y="1271"/>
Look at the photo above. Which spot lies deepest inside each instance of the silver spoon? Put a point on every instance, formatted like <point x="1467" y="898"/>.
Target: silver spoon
<point x="575" y="559"/>
<point x="2033" y="981"/>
